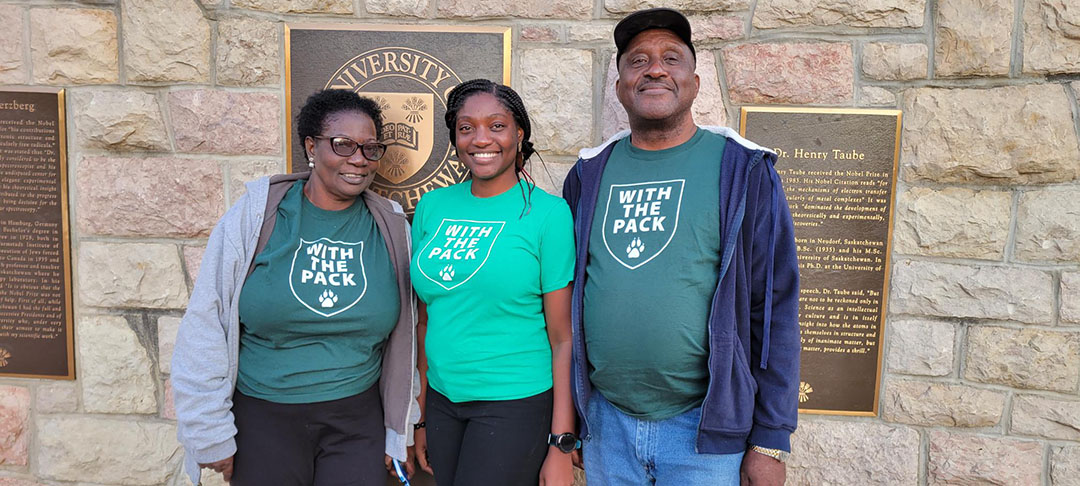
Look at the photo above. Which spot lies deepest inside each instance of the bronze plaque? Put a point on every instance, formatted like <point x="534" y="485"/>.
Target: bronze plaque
<point x="408" y="70"/>
<point x="35" y="258"/>
<point x="839" y="172"/>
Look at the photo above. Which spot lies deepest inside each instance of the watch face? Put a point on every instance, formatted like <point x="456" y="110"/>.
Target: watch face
<point x="566" y="442"/>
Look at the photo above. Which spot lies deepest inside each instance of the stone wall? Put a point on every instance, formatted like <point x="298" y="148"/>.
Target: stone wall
<point x="173" y="103"/>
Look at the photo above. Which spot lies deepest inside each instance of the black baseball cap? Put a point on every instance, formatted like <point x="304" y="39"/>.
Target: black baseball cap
<point x="653" y="18"/>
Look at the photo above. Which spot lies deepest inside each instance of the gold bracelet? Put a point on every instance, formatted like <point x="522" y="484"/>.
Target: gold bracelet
<point x="777" y="454"/>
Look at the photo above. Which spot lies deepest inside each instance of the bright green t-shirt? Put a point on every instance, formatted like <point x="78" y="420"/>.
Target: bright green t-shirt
<point x="318" y="307"/>
<point x="654" y="259"/>
<point x="482" y="269"/>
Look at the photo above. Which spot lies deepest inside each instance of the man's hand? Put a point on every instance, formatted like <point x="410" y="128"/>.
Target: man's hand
<point x="761" y="470"/>
<point x="575" y="457"/>
<point x="223" y="466"/>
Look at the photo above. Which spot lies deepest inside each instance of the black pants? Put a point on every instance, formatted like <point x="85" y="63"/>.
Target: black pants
<point x="339" y="442"/>
<point x="477" y="443"/>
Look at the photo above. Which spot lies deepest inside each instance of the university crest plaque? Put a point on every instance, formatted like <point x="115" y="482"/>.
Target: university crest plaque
<point x="408" y="71"/>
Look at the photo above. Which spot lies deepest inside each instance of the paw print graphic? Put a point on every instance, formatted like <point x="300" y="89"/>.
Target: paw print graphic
<point x="634" y="249"/>
<point x="447" y="273"/>
<point x="328" y="298"/>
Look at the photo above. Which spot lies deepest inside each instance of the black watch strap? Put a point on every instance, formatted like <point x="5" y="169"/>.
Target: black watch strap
<point x="565" y="442"/>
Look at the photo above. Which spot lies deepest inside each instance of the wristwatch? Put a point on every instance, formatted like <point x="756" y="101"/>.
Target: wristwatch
<point x="777" y="454"/>
<point x="566" y="442"/>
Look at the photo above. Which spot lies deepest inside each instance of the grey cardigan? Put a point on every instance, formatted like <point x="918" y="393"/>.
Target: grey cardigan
<point x="204" y="362"/>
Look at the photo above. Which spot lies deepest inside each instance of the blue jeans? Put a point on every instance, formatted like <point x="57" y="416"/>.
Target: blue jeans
<point x="625" y="451"/>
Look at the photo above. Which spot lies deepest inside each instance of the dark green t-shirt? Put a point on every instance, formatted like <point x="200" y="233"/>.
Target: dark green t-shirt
<point x="654" y="258"/>
<point x="482" y="269"/>
<point x="318" y="308"/>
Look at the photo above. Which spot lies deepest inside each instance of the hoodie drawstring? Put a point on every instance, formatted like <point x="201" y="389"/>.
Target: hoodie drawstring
<point x="767" y="328"/>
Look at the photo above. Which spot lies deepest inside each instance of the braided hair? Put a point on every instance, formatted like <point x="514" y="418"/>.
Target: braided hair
<point x="512" y="102"/>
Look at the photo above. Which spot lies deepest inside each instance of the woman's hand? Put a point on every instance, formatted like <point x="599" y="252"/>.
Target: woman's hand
<point x="408" y="464"/>
<point x="420" y="444"/>
<point x="557" y="470"/>
<point x="223" y="466"/>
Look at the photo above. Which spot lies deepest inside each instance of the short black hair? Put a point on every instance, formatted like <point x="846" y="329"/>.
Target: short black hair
<point x="505" y="94"/>
<point x="323" y="104"/>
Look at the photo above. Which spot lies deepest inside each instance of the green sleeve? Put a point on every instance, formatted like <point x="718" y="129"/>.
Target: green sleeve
<point x="557" y="249"/>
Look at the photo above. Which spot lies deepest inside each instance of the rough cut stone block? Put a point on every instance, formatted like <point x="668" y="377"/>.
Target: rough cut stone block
<point x="73" y="46"/>
<point x="248" y="52"/>
<point x="583" y="32"/>
<point x="893" y="62"/>
<point x="539" y="34"/>
<point x="921" y="347"/>
<point x="116" y="372"/>
<point x="243" y="172"/>
<point x="168" y="408"/>
<point x="1070" y="297"/>
<point x="119" y="120"/>
<point x="951" y="290"/>
<point x="131" y="275"/>
<point x="192" y="260"/>
<point x="166" y="41"/>
<point x="98" y="450"/>
<point x="1048" y="225"/>
<point x="149" y="196"/>
<point x="974" y="37"/>
<point x="399" y="8"/>
<point x="18" y="482"/>
<point x="771" y="14"/>
<point x="224" y="122"/>
<point x="533" y="9"/>
<point x="1051" y="36"/>
<point x="794" y="73"/>
<point x="12" y="65"/>
<point x="14" y="425"/>
<point x="550" y="177"/>
<point x="953" y="222"/>
<point x="830" y="452"/>
<point x="708" y="107"/>
<point x="557" y="104"/>
<point x="1065" y="466"/>
<point x="874" y="96"/>
<point x="719" y="27"/>
<point x="627" y="6"/>
<point x="166" y="327"/>
<point x="58" y="397"/>
<point x="297" y="6"/>
<point x="1024" y="358"/>
<point x="968" y="459"/>
<point x="1028" y="136"/>
<point x="1046" y="417"/>
<point x="924" y="403"/>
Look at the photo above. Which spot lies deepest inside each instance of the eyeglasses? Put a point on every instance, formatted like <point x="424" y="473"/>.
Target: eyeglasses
<point x="345" y="147"/>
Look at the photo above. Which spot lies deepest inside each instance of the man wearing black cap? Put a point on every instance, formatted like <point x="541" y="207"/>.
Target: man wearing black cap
<point x="686" y="335"/>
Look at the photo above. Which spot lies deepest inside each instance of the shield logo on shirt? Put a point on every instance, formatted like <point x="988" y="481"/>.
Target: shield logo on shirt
<point x="328" y="276"/>
<point x="457" y="251"/>
<point x="640" y="220"/>
<point x="408" y="132"/>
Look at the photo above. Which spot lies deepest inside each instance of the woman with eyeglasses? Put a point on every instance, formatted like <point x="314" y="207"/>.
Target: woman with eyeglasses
<point x="295" y="362"/>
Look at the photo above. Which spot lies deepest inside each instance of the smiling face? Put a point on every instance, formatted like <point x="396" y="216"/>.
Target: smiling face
<point x="487" y="140"/>
<point x="336" y="181"/>
<point x="656" y="78"/>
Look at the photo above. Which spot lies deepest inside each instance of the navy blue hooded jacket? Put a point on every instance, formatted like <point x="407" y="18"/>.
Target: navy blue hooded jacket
<point x="754" y="345"/>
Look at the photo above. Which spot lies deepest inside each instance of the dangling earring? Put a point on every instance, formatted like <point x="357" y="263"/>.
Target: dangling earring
<point x="311" y="163"/>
